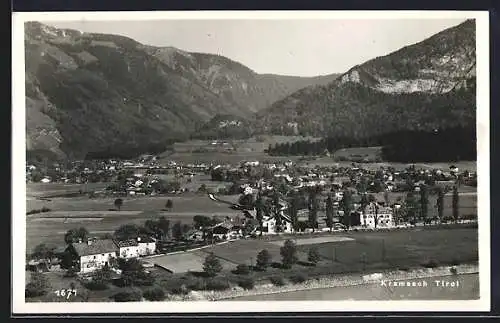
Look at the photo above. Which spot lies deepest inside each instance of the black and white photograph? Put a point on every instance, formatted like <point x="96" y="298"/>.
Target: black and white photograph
<point x="250" y="161"/>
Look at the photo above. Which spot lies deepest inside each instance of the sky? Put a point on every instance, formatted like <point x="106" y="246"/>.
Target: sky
<point x="286" y="47"/>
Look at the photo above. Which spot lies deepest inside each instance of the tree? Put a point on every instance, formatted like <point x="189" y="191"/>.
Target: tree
<point x="100" y="279"/>
<point x="43" y="252"/>
<point x="440" y="203"/>
<point x="289" y="253"/>
<point x="259" y="209"/>
<point x="263" y="259"/>
<point x="346" y="206"/>
<point x="202" y="188"/>
<point x="74" y="235"/>
<point x="202" y="221"/>
<point x="455" y="203"/>
<point x="410" y="207"/>
<point x="177" y="230"/>
<point x="313" y="256"/>
<point x="118" y="203"/>
<point x="164" y="226"/>
<point x="37" y="286"/>
<point x="246" y="200"/>
<point x="293" y="210"/>
<point x="386" y="198"/>
<point x="169" y="205"/>
<point x="133" y="273"/>
<point x="424" y="202"/>
<point x="276" y="209"/>
<point x="212" y="265"/>
<point x="127" y="231"/>
<point x="329" y="212"/>
<point x="375" y="215"/>
<point x="313" y="209"/>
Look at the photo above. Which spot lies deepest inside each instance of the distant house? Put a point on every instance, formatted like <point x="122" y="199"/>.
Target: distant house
<point x="376" y="213"/>
<point x="93" y="254"/>
<point x="226" y="230"/>
<point x="147" y="246"/>
<point x="128" y="248"/>
<point x="45" y="180"/>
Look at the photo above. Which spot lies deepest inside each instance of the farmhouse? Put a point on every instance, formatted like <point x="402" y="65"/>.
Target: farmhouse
<point x="93" y="254"/>
<point x="146" y="245"/>
<point x="128" y="248"/>
<point x="227" y="230"/>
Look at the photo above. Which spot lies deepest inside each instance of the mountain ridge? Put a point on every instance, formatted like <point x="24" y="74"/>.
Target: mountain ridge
<point x="121" y="93"/>
<point x="421" y="86"/>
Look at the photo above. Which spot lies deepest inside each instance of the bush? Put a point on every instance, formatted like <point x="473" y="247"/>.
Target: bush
<point x="453" y="270"/>
<point x="37" y="286"/>
<point x="96" y="285"/>
<point x="154" y="294"/>
<point x="32" y="290"/>
<point x="430" y="264"/>
<point x="217" y="284"/>
<point x="130" y="296"/>
<point x="298" y="278"/>
<point x="277" y="280"/>
<point x="313" y="256"/>
<point x="246" y="283"/>
<point x="180" y="290"/>
<point x="242" y="269"/>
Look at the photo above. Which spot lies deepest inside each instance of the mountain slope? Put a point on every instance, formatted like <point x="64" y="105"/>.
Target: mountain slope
<point x="95" y="92"/>
<point x="424" y="86"/>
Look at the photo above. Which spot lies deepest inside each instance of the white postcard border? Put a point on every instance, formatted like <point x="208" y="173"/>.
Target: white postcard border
<point x="19" y="306"/>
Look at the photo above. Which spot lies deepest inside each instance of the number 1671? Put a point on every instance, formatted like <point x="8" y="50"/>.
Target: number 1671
<point x="65" y="293"/>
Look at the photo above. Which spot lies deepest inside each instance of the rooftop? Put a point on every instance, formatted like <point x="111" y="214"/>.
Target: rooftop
<point x="96" y="247"/>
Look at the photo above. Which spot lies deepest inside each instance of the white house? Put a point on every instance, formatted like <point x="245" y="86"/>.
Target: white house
<point x="270" y="227"/>
<point x="128" y="249"/>
<point x="45" y="180"/>
<point x="376" y="216"/>
<point x="147" y="246"/>
<point x="93" y="254"/>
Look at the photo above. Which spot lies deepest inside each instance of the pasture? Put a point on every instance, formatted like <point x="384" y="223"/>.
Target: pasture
<point x="96" y="217"/>
<point x="186" y="261"/>
<point x="404" y="248"/>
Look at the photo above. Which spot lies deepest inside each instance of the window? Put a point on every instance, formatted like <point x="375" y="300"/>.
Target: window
<point x="102" y="255"/>
<point x="94" y="257"/>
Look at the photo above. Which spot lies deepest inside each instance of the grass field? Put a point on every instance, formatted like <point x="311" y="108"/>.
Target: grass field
<point x="94" y="215"/>
<point x="403" y="248"/>
<point x="48" y="189"/>
<point x="245" y="251"/>
<point x="370" y="153"/>
<point x="187" y="261"/>
<point x="381" y="250"/>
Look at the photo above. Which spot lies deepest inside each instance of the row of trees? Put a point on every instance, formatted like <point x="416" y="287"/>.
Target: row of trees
<point x="457" y="143"/>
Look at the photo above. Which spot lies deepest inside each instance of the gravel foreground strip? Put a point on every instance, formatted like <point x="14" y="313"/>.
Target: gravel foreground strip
<point x="326" y="282"/>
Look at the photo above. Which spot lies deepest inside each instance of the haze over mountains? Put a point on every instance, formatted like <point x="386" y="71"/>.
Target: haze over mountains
<point x="92" y="92"/>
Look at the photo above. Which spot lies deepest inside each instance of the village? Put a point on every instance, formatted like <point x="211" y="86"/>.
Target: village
<point x="274" y="200"/>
